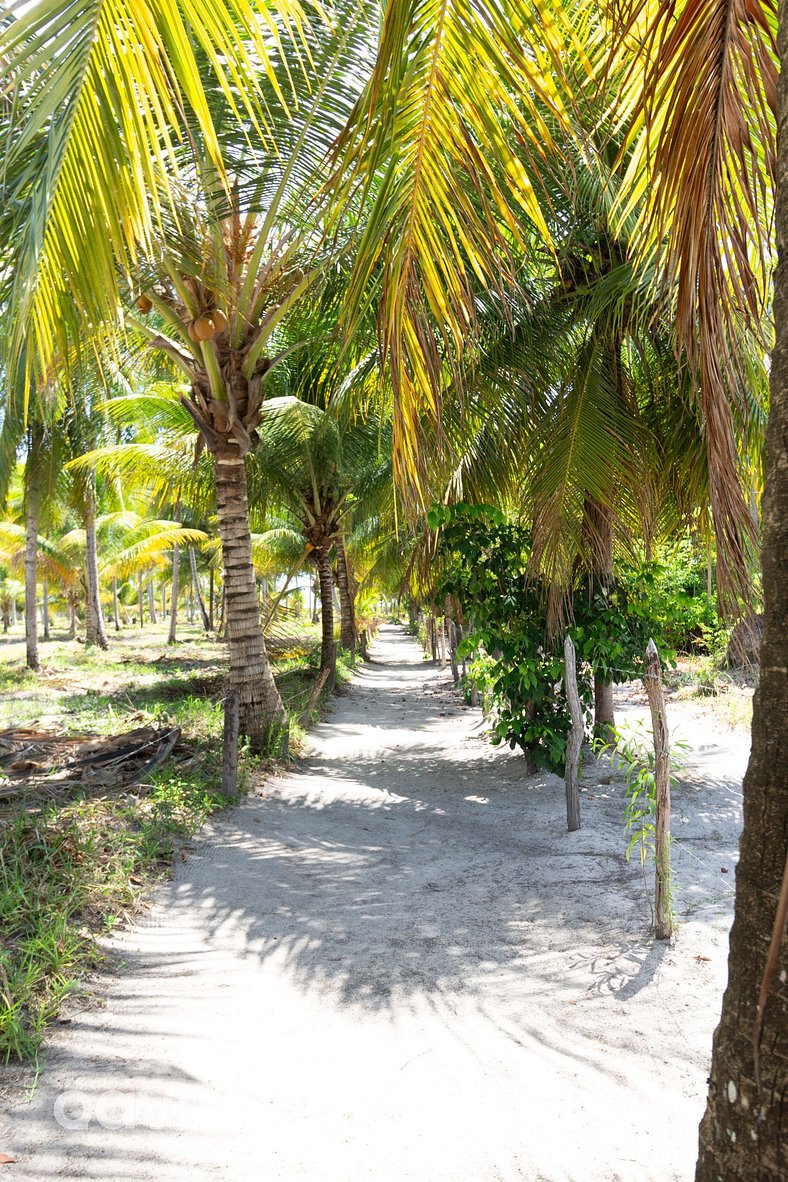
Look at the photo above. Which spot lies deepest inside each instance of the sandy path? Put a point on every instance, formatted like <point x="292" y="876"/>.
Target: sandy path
<point x="396" y="964"/>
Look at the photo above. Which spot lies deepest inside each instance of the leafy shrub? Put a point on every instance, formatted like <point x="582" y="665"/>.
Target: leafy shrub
<point x="516" y="663"/>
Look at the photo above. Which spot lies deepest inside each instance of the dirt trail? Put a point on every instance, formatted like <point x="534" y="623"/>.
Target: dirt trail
<point x="396" y="964"/>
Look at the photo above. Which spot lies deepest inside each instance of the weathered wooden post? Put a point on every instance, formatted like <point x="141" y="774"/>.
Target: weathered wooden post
<point x="575" y="740"/>
<point x="230" y="748"/>
<point x="659" y="723"/>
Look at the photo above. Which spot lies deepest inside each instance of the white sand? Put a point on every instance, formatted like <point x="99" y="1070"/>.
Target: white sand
<point x="396" y="964"/>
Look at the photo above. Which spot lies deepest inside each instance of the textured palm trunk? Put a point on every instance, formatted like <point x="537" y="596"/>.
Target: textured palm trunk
<point x="31" y="571"/>
<point x="599" y="537"/>
<point x="94" y="620"/>
<point x="115" y="610"/>
<point x="744" y="1132"/>
<point x="141" y="600"/>
<point x="197" y="590"/>
<point x="174" y="595"/>
<point x="210" y="600"/>
<point x="262" y="716"/>
<point x="347" y="607"/>
<point x="328" y="649"/>
<point x="152" y="602"/>
<point x="45" y="608"/>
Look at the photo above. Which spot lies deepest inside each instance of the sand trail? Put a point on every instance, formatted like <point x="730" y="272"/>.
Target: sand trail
<point x="394" y="963"/>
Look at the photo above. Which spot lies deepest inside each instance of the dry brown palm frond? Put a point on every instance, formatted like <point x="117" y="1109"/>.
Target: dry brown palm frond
<point x="701" y="83"/>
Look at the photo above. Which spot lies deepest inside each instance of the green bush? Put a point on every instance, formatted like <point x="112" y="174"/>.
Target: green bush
<point x="516" y="663"/>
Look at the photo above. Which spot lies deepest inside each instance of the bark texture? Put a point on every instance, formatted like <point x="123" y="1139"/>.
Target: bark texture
<point x="262" y="715"/>
<point x="599" y="538"/>
<point x="174" y="595"/>
<point x="94" y="620"/>
<point x="45" y="607"/>
<point x="197" y="590"/>
<point x="744" y="1132"/>
<point x="347" y="607"/>
<point x="31" y="565"/>
<point x="328" y="649"/>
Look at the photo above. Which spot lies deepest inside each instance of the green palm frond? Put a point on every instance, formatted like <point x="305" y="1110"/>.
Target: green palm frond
<point x="99" y="95"/>
<point x="455" y="84"/>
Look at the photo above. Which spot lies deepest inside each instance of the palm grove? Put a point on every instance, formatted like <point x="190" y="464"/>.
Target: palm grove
<point x="278" y="277"/>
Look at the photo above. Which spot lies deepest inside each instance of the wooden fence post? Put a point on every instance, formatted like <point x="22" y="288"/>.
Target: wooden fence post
<point x="232" y="704"/>
<point x="656" y="699"/>
<point x="575" y="740"/>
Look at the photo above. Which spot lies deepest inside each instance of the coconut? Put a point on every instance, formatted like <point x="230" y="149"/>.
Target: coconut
<point x="205" y="328"/>
<point x="219" y="320"/>
<point x="144" y="304"/>
<point x="192" y="334"/>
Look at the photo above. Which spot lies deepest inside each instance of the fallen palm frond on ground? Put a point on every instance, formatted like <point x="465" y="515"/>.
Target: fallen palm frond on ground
<point x="48" y="765"/>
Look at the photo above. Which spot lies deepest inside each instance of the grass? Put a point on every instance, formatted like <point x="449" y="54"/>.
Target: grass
<point x="69" y="872"/>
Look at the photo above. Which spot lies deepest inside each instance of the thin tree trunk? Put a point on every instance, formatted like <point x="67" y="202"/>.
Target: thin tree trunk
<point x="152" y="603"/>
<point x="164" y="601"/>
<point x="72" y="616"/>
<point x="115" y="611"/>
<point x="31" y="552"/>
<point x="13" y="612"/>
<point x="141" y="600"/>
<point x="652" y="678"/>
<point x="94" y="620"/>
<point x="347" y="609"/>
<point x="262" y="716"/>
<point x="599" y="537"/>
<point x="45" y="607"/>
<point x="452" y="641"/>
<point x="575" y="740"/>
<point x="744" y="1133"/>
<point x="197" y="592"/>
<point x="313" y="589"/>
<point x="328" y="649"/>
<point x="174" y="595"/>
<point x="210" y="599"/>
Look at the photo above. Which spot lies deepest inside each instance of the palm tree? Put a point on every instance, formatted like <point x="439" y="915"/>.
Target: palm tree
<point x="219" y="280"/>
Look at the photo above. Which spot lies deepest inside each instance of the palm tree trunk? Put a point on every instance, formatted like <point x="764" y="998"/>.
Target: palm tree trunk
<point x="174" y="594"/>
<point x="31" y="567"/>
<point x="152" y="602"/>
<point x="347" y="609"/>
<point x="262" y="716"/>
<point x="45" y="607"/>
<point x="744" y="1132"/>
<point x="141" y="600"/>
<point x="196" y="589"/>
<point x="328" y="649"/>
<point x="115" y="612"/>
<point x="210" y="599"/>
<point x="598" y="528"/>
<point x="94" y="620"/>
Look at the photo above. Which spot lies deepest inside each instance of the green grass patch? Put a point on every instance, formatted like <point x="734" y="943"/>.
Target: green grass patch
<point x="69" y="872"/>
<point x="66" y="874"/>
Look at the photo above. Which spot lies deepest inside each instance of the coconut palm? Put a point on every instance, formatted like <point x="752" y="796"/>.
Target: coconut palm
<point x="214" y="221"/>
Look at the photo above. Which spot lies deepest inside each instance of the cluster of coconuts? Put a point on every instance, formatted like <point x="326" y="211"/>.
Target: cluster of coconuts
<point x="203" y="328"/>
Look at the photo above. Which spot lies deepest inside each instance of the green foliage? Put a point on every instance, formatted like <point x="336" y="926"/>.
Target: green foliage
<point x="633" y="751"/>
<point x="516" y="662"/>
